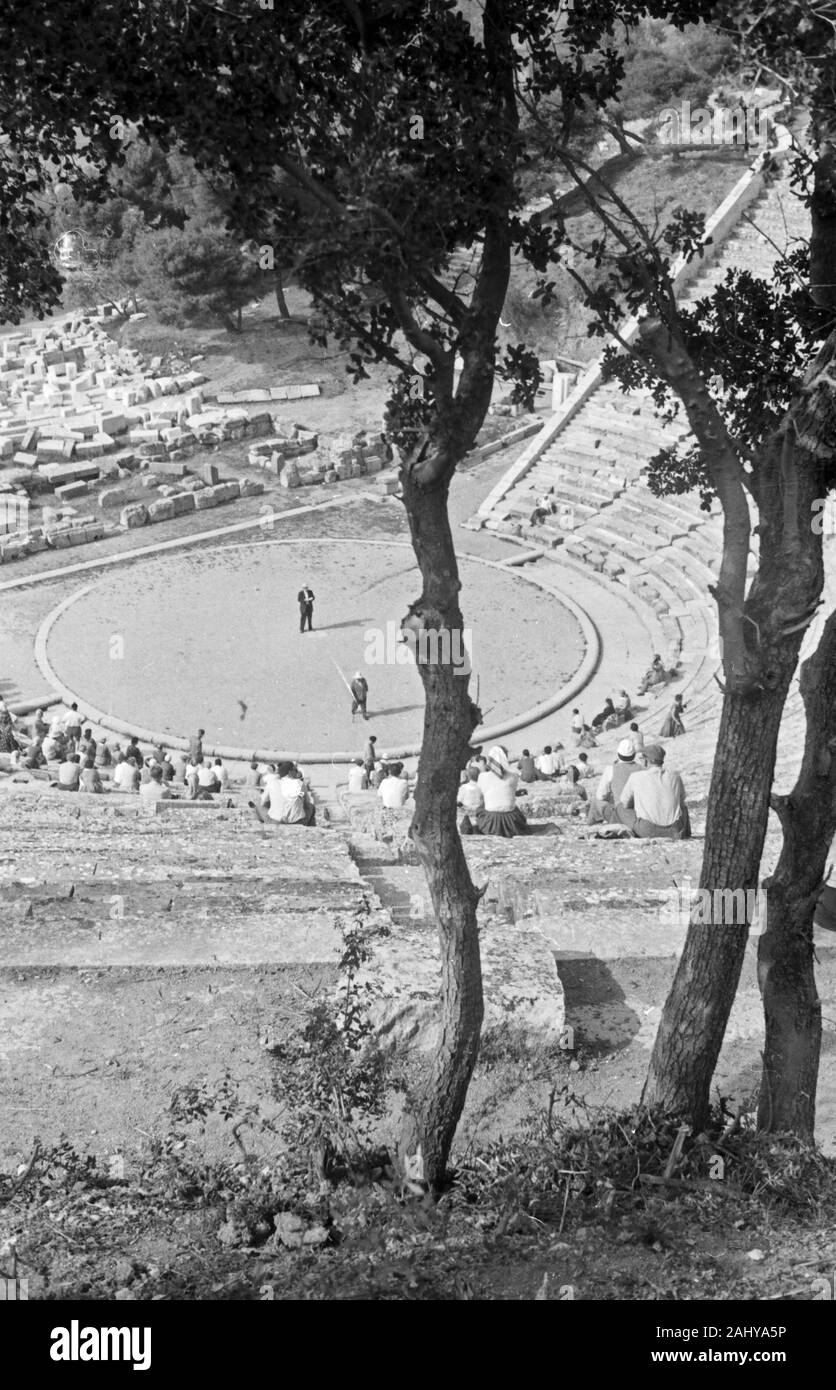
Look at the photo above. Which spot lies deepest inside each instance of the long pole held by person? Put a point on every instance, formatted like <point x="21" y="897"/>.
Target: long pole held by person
<point x="347" y="685"/>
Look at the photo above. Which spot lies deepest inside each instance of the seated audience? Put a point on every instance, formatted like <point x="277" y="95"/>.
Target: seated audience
<point x="8" y="740"/>
<point x="636" y="737"/>
<point x="39" y="727"/>
<point x="394" y="789"/>
<point x="500" y="814"/>
<point x="358" y="778"/>
<point x="221" y="774"/>
<point x="154" y="789"/>
<point x="252" y="777"/>
<point x="470" y="796"/>
<point x="55" y="744"/>
<point x="655" y="675"/>
<point x="606" y="713"/>
<point x="207" y="781"/>
<point x="104" y="757"/>
<point x="126" y="775"/>
<point x="527" y="768"/>
<point x="652" y="804"/>
<point x="87" y="745"/>
<point x="549" y="765"/>
<point x="34" y="755"/>
<point x="286" y="799"/>
<point x="602" y="806"/>
<point x="90" y="779"/>
<point x="69" y="774"/>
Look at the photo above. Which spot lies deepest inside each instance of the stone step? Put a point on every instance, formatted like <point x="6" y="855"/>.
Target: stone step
<point x="581" y="443"/>
<point x="574" y="487"/>
<point x="647" y="430"/>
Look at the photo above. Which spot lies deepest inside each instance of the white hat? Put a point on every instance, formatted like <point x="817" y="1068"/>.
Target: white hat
<point x="626" y="751"/>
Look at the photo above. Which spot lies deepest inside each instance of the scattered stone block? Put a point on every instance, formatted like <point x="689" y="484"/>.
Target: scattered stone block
<point x="50" y="449"/>
<point x="204" y="499"/>
<point x="209" y="473"/>
<point x="67" y="491"/>
<point x="132" y="516"/>
<point x="112" y="497"/>
<point x="183" y="502"/>
<point x="251" y="487"/>
<point x="228" y="491"/>
<point x="162" y="510"/>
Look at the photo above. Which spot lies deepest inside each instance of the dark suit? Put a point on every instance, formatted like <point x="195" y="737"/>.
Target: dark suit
<point x="306" y="603"/>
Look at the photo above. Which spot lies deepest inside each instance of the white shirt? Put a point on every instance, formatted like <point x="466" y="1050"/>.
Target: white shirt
<point x="656" y="795"/>
<point x="393" y="791"/>
<point x="549" y="764"/>
<point x="470" y="797"/>
<point x="499" y="792"/>
<point x="221" y="773"/>
<point x="357" y="779"/>
<point x="124" y="777"/>
<point x="279" y="790"/>
<point x="205" y="775"/>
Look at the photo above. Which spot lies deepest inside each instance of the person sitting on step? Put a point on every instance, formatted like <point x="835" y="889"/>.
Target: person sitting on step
<point x="527" y="767"/>
<point x="358" y="778"/>
<point x="155" y="789"/>
<point x="394" y="789"/>
<point x="69" y="774"/>
<point x="90" y="779"/>
<point x="498" y="785"/>
<point x="602" y="806"/>
<point x="286" y="799"/>
<point x="652" y="804"/>
<point x="654" y="675"/>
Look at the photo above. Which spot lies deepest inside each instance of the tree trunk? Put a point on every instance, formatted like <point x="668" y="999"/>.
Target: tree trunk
<point x="785" y="951"/>
<point x="449" y="720"/>
<point x="696" y="1012"/>
<point x="780" y="605"/>
<point x="284" y="312"/>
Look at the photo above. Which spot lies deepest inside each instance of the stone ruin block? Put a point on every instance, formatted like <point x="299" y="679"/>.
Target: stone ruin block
<point x="331" y="475"/>
<point x="227" y="491"/>
<point x="163" y="510"/>
<point x="205" y="499"/>
<point x="48" y="449"/>
<point x="251" y="487"/>
<point x="67" y="491"/>
<point x="112" y="497"/>
<point x="183" y="502"/>
<point x="132" y="516"/>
